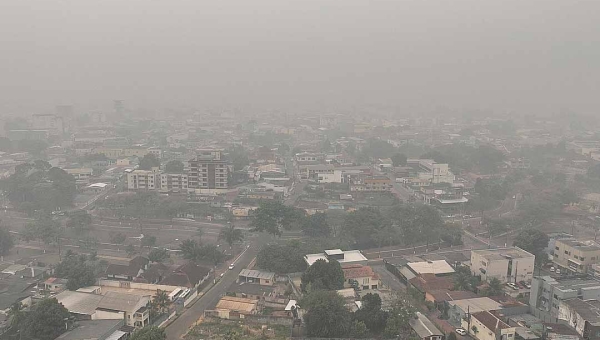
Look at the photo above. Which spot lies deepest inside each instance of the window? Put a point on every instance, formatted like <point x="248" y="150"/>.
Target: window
<point x="576" y="257"/>
<point x="582" y="258"/>
<point x="566" y="252"/>
<point x="556" y="248"/>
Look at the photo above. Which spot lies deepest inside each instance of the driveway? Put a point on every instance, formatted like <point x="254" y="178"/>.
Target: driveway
<point x="388" y="279"/>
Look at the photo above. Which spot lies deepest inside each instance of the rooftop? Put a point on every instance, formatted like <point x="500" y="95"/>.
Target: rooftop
<point x="490" y="321"/>
<point x="237" y="304"/>
<point x="503" y="253"/>
<point x="355" y="271"/>
<point x="567" y="285"/>
<point x="92" y="329"/>
<point x="451" y="295"/>
<point x="475" y="305"/>
<point x="257" y="274"/>
<point x="589" y="310"/>
<point x="580" y="245"/>
<point x="439" y="267"/>
<point x="349" y="256"/>
<point x="78" y="302"/>
<point x="251" y="289"/>
<point x="120" y="301"/>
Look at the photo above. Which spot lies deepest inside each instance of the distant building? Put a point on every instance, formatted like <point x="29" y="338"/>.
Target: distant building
<point x="487" y="326"/>
<point x="547" y="294"/>
<point x="362" y="276"/>
<point x="371" y="183"/>
<point x="343" y="257"/>
<point x="505" y="264"/>
<point x="208" y="171"/>
<point x="52" y="123"/>
<point x="80" y="174"/>
<point x="428" y="169"/>
<point x="143" y="180"/>
<point x="575" y="256"/>
<point x="257" y="276"/>
<point x="173" y="182"/>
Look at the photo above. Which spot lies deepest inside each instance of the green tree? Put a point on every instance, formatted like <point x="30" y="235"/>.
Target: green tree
<point x="494" y="287"/>
<point x="16" y="315"/>
<point x="189" y="249"/>
<point x="130" y="249"/>
<point x="80" y="221"/>
<point x="161" y="300"/>
<point x="78" y="272"/>
<point x="323" y="275"/>
<point x="6" y="241"/>
<point x="399" y="159"/>
<point x="363" y="223"/>
<point x="117" y="238"/>
<point x="46" y="321"/>
<point x="149" y="333"/>
<point x="148" y="241"/>
<point x="399" y="317"/>
<point x="274" y="217"/>
<point x="158" y="255"/>
<point x="535" y="242"/>
<point x="148" y="162"/>
<point x="281" y="259"/>
<point x="316" y="225"/>
<point x="231" y="235"/>
<point x="358" y="330"/>
<point x="371" y="314"/>
<point x="174" y="167"/>
<point x="326" y="315"/>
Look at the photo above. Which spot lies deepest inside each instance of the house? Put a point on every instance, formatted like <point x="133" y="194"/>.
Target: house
<point x="312" y="207"/>
<point x="487" y="326"/>
<point x="251" y="291"/>
<point x="505" y="264"/>
<point x="360" y="276"/>
<point x="129" y="271"/>
<point x="130" y="308"/>
<point x="256" y="276"/>
<point x="343" y="257"/>
<point x="439" y="296"/>
<point x="460" y="309"/>
<point x="230" y="307"/>
<point x="424" y="328"/>
<point x="426" y="283"/>
<point x="15" y="289"/>
<point x="583" y="316"/>
<point x="54" y="284"/>
<point x="575" y="256"/>
<point x="188" y="275"/>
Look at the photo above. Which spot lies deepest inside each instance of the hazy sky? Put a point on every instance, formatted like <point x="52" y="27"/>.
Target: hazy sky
<point x="508" y="55"/>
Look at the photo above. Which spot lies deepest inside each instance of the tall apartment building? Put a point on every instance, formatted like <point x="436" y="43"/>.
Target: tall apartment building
<point x="505" y="264"/>
<point x="209" y="170"/>
<point x="52" y="123"/>
<point x="143" y="180"/>
<point x="575" y="256"/>
<point x="547" y="294"/>
<point x="173" y="182"/>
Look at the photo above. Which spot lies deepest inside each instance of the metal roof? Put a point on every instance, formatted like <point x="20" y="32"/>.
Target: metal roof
<point x="257" y="274"/>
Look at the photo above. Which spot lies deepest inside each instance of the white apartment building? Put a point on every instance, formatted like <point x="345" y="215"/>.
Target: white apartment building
<point x="143" y="180"/>
<point x="505" y="264"/>
<point x="173" y="182"/>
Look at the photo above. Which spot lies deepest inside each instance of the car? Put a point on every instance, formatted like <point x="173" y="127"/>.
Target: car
<point x="461" y="331"/>
<point x="231" y="266"/>
<point x="557" y="271"/>
<point x="552" y="269"/>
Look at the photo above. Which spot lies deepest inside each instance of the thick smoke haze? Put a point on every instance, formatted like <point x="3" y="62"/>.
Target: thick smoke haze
<point x="537" y="56"/>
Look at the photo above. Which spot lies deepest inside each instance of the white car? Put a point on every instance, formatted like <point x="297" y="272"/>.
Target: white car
<point x="231" y="266"/>
<point x="461" y="331"/>
<point x="552" y="269"/>
<point x="557" y="271"/>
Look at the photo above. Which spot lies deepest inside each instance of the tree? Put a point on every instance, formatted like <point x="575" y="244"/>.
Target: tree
<point x="316" y="225"/>
<point x="117" y="238"/>
<point x="80" y="221"/>
<point x="326" y="315"/>
<point x="78" y="272"/>
<point x="130" y="249"/>
<point x="371" y="314"/>
<point x="494" y="287"/>
<point x="149" y="333"/>
<point x="323" y="275"/>
<point x="6" y="241"/>
<point x="399" y="159"/>
<point x="363" y="223"/>
<point x="158" y="255"/>
<point x="46" y="321"/>
<point x="148" y="162"/>
<point x="191" y="250"/>
<point x="199" y="233"/>
<point x="281" y="259"/>
<point x="398" y="322"/>
<point x="174" y="167"/>
<point x="16" y="314"/>
<point x="533" y="241"/>
<point x="161" y="300"/>
<point x="274" y="217"/>
<point x="148" y="241"/>
<point x="358" y="330"/>
<point x="231" y="235"/>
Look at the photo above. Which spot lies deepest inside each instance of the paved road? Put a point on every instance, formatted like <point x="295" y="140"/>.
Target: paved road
<point x="387" y="278"/>
<point x="181" y="325"/>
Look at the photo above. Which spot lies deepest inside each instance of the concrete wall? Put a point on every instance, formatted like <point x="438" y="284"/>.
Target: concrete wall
<point x="138" y="285"/>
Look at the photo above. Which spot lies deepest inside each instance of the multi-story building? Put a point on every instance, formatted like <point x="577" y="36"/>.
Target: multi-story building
<point x="52" y="123"/>
<point x="173" y="182"/>
<point x="505" y="264"/>
<point x="547" y="294"/>
<point x="583" y="316"/>
<point x="371" y="183"/>
<point x="143" y="180"/>
<point x="208" y="171"/>
<point x="434" y="172"/>
<point x="575" y="256"/>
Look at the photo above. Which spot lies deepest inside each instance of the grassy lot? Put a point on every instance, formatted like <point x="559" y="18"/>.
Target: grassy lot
<point x="217" y="329"/>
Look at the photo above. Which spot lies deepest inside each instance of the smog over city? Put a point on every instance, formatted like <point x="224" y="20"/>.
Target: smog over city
<point x="270" y="170"/>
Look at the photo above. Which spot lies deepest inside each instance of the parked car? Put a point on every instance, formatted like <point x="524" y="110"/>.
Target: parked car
<point x="231" y="266"/>
<point x="552" y="269"/>
<point x="557" y="270"/>
<point x="461" y="331"/>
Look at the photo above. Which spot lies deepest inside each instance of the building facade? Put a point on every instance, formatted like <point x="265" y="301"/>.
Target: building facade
<point x="505" y="264"/>
<point x="208" y="171"/>
<point x="575" y="256"/>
